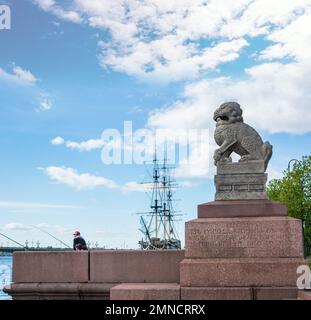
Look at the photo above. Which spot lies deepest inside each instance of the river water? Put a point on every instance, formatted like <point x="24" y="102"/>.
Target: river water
<point x="5" y="275"/>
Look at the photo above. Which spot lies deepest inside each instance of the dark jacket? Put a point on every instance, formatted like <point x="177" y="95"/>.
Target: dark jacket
<point x="79" y="244"/>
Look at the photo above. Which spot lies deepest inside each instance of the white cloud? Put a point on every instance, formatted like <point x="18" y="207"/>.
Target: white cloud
<point x="167" y="60"/>
<point x="72" y="178"/>
<point x="196" y="169"/>
<point x="33" y="205"/>
<point x="259" y="17"/>
<point x="274" y="173"/>
<point x="187" y="184"/>
<point x="50" y="5"/>
<point x="24" y="75"/>
<point x="19" y="76"/>
<point x="45" y="102"/>
<point x="45" y="4"/>
<point x="57" y="141"/>
<point x="79" y="181"/>
<point x="181" y="39"/>
<point x="275" y="98"/>
<point x="186" y="39"/>
<point x="157" y="41"/>
<point x="87" y="145"/>
<point x="25" y="78"/>
<point x="294" y="40"/>
<point x="275" y="95"/>
<point x="14" y="226"/>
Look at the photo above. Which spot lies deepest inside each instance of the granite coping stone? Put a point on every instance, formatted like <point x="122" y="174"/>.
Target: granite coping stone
<point x="241" y="208"/>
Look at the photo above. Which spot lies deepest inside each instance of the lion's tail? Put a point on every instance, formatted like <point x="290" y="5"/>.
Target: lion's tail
<point x="267" y="153"/>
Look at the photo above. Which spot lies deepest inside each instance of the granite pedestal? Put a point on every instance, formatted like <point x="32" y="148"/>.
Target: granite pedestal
<point x="241" y="180"/>
<point x="246" y="249"/>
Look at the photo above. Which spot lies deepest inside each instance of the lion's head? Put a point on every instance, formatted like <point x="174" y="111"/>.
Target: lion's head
<point x="227" y="113"/>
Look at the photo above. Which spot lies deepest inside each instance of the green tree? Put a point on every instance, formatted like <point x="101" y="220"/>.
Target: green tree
<point x="294" y="189"/>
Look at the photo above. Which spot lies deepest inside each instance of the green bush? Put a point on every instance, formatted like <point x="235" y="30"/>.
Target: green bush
<point x="294" y="189"/>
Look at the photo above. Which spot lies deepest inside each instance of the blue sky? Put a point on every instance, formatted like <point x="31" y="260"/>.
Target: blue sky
<point x="71" y="69"/>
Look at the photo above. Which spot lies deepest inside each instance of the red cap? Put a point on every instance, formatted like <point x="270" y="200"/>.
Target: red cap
<point x="77" y="233"/>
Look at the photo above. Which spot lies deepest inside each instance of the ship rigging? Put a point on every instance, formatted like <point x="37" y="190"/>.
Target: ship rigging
<point x="157" y="225"/>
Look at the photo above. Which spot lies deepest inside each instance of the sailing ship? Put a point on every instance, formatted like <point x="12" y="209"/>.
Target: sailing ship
<point x="157" y="225"/>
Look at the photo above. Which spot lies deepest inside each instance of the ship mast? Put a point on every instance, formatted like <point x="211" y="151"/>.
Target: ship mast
<point x="157" y="225"/>
<point x="156" y="196"/>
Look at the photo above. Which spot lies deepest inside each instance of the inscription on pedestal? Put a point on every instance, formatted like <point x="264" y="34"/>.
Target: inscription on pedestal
<point x="244" y="237"/>
<point x="240" y="186"/>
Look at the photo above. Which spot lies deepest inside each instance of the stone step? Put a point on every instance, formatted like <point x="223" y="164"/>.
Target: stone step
<point x="304" y="294"/>
<point x="145" y="291"/>
<point x="59" y="291"/>
<point x="241" y="208"/>
<point x="240" y="272"/>
<point x="238" y="293"/>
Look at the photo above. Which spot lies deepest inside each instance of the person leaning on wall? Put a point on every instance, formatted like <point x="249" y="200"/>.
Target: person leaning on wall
<point x="79" y="242"/>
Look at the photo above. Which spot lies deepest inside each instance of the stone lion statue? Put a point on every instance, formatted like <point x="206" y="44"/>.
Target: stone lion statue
<point x="233" y="135"/>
